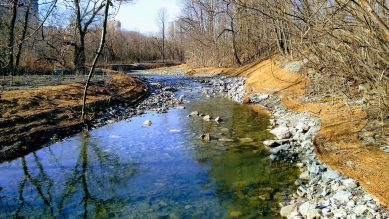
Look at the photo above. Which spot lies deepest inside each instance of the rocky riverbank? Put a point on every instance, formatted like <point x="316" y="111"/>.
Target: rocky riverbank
<point x="161" y="97"/>
<point x="321" y="191"/>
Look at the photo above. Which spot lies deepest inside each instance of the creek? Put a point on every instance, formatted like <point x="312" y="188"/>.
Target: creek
<point x="129" y="170"/>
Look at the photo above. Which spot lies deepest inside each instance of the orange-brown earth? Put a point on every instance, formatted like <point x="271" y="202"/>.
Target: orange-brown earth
<point x="337" y="143"/>
<point x="31" y="117"/>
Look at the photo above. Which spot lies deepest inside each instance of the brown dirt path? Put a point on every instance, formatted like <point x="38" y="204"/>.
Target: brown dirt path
<point x="29" y="118"/>
<point x="337" y="142"/>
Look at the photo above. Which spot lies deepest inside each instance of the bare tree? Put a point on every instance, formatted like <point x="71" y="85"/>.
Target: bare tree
<point x="162" y="20"/>
<point x="98" y="53"/>
<point x="85" y="13"/>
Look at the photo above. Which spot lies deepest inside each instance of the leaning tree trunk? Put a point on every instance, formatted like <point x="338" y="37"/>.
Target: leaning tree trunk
<point x="100" y="49"/>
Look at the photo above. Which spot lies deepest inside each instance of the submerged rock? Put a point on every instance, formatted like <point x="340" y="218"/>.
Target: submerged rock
<point x="226" y="140"/>
<point x="279" y="148"/>
<point x="275" y="143"/>
<point x="246" y="140"/>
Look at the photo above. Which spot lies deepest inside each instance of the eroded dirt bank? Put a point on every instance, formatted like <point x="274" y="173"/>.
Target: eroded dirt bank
<point x="32" y="117"/>
<point x="336" y="143"/>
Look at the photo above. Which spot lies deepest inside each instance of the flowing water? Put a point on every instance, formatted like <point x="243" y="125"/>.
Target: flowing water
<point x="127" y="170"/>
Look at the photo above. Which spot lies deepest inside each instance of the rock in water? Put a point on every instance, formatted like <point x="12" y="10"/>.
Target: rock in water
<point x="181" y="99"/>
<point x="218" y="119"/>
<point x="180" y="107"/>
<point x="205" y="137"/>
<point x="194" y="113"/>
<point x="207" y="118"/>
<point x="147" y="123"/>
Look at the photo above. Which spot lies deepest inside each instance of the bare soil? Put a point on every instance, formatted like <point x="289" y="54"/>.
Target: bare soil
<point x="31" y="117"/>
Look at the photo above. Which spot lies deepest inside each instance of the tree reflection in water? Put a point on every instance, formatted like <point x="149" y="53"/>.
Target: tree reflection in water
<point x="88" y="191"/>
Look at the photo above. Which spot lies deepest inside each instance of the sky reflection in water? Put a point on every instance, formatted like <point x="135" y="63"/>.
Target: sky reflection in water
<point x="126" y="170"/>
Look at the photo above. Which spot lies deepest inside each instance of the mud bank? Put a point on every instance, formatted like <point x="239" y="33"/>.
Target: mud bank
<point x="32" y="118"/>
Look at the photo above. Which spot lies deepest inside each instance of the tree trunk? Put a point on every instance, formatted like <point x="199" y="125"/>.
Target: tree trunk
<point x="100" y="49"/>
<point x="24" y="32"/>
<point x="79" y="56"/>
<point x="11" y="36"/>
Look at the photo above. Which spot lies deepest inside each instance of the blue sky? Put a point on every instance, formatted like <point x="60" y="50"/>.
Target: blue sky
<point x="141" y="14"/>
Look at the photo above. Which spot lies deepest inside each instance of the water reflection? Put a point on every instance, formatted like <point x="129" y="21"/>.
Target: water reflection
<point x="81" y="187"/>
<point x="126" y="170"/>
<point x="249" y="185"/>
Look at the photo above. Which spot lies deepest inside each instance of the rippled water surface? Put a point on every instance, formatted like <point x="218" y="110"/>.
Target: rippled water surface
<point x="127" y="170"/>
